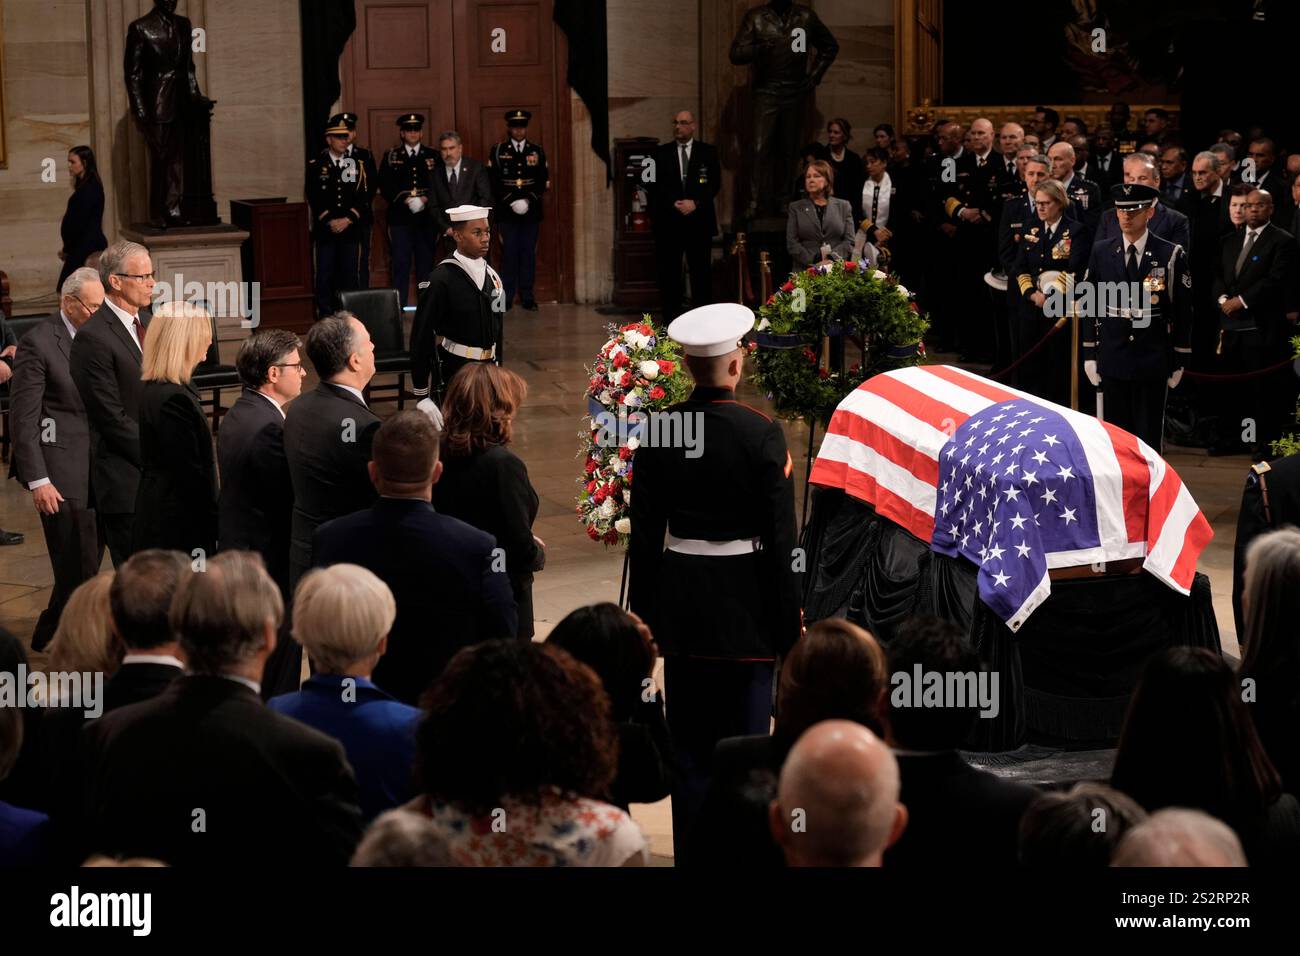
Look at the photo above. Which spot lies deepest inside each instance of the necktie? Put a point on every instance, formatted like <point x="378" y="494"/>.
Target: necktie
<point x="452" y="179"/>
<point x="979" y="162"/>
<point x="685" y="162"/>
<point x="1245" y="250"/>
<point x="139" y="331"/>
<point x="1132" y="268"/>
<point x="875" y="200"/>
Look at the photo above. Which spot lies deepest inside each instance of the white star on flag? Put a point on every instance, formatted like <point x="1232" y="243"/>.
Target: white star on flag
<point x="995" y="552"/>
<point x="1003" y="439"/>
<point x="1012" y="494"/>
<point x="997" y="459"/>
<point x="1051" y="439"/>
<point x="984" y="447"/>
<point x="1035" y="421"/>
<point x="1066" y="473"/>
<point x="1000" y="579"/>
<point x="1069" y="515"/>
<point x="1040" y="457"/>
<point x="1048" y="497"/>
<point x="997" y="418"/>
<point x="1010" y="469"/>
<point x="1017" y="449"/>
<point x="1027" y="431"/>
<point x="1018" y="522"/>
<point x="1031" y="477"/>
<point x="1023" y="549"/>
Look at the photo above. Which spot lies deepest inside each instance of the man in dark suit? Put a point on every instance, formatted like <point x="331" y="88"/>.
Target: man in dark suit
<point x="237" y="777"/>
<point x="686" y="178"/>
<point x="457" y="181"/>
<point x="1260" y="169"/>
<point x="955" y="812"/>
<point x="1253" y="289"/>
<point x="106" y="358"/>
<point x="1210" y="223"/>
<point x="405" y="181"/>
<point x="1105" y="165"/>
<point x="1140" y="345"/>
<point x="1176" y="186"/>
<point x="1167" y="222"/>
<point x="448" y="578"/>
<point x="51" y="437"/>
<point x="327" y="434"/>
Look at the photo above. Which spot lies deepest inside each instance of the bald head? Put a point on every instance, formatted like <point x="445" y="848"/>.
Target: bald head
<point x="837" y="801"/>
<point x="1061" y="156"/>
<point x="1259" y="208"/>
<point x="950" y="137"/>
<point x="1010" y="138"/>
<point x="1178" y="837"/>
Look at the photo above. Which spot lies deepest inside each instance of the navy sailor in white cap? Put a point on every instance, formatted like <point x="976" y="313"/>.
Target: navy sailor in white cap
<point x="460" y="317"/>
<point x="712" y="554"/>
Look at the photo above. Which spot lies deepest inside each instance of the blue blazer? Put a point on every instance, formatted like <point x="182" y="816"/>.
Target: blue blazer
<point x="23" y="836"/>
<point x="377" y="732"/>
<point x="451" y="590"/>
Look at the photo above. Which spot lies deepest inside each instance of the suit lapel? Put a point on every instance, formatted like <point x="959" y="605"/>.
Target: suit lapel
<point x="61" y="337"/>
<point x="118" y="329"/>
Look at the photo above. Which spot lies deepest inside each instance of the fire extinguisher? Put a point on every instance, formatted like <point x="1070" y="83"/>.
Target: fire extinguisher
<point x="640" y="222"/>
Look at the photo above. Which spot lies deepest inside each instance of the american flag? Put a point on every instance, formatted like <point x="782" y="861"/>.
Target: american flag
<point x="1015" y="484"/>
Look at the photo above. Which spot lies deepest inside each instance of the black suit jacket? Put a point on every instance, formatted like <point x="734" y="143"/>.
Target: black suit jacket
<point x="703" y="180"/>
<point x="327" y="436"/>
<point x="449" y="589"/>
<point x="956" y="813"/>
<point x="1265" y="282"/>
<point x="261" y="780"/>
<point x="47" y="418"/>
<point x="176" y="507"/>
<point x="105" y="364"/>
<point x="473" y="188"/>
<point x="255" y="508"/>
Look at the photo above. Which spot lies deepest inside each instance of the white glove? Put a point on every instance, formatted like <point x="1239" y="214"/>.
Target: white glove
<point x="414" y="203"/>
<point x="429" y="408"/>
<point x="520" y="206"/>
<point x="1090" y="370"/>
<point x="1175" y="378"/>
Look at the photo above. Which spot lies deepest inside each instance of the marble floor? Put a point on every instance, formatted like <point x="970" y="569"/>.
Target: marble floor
<point x="550" y="349"/>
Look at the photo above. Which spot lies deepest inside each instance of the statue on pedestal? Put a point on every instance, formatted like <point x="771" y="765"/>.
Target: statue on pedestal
<point x="775" y="38"/>
<point x="173" y="116"/>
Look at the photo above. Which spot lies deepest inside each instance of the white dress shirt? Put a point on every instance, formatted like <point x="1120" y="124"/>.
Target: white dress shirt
<point x="454" y="169"/>
<point x="881" y="218"/>
<point x="252" y="685"/>
<point x="128" y="320"/>
<point x="1141" y="244"/>
<point x="155" y="659"/>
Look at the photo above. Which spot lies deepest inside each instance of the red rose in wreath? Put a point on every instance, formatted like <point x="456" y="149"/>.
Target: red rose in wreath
<point x="621" y="360"/>
<point x="593" y="533"/>
<point x="788" y="287"/>
<point x="850" y="266"/>
<point x="666" y="367"/>
<point x="657" y="393"/>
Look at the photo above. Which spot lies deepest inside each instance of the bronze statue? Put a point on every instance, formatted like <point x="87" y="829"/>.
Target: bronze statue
<point x="781" y="83"/>
<point x="173" y="116"/>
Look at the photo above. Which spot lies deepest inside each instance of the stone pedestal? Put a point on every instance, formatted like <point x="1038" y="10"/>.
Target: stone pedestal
<point x="202" y="263"/>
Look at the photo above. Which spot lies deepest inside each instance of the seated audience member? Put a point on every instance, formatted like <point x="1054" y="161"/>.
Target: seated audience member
<point x="837" y="800"/>
<point x="227" y="779"/>
<point x="1188" y="741"/>
<point x="486" y="484"/>
<point x="513" y="756"/>
<point x="836" y="671"/>
<point x="1076" y="830"/>
<point x="618" y="646"/>
<point x="84" y="640"/>
<point x="23" y="833"/>
<point x="401" y="838"/>
<point x="956" y="812"/>
<point x="450" y="590"/>
<point x="341" y="616"/>
<point x="1179" y="837"/>
<point x="1271" y="607"/>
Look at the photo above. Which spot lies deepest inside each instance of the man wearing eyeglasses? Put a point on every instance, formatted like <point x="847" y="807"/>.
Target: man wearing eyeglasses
<point x="106" y="359"/>
<point x="51" y="438"/>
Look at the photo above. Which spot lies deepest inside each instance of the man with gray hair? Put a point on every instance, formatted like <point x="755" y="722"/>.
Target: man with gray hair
<point x="1210" y="223"/>
<point x="458" y="181"/>
<point x="51" y="437"/>
<point x="1167" y="223"/>
<point x="1179" y="837"/>
<point x="226" y="777"/>
<point x="106" y="360"/>
<point x="837" y="801"/>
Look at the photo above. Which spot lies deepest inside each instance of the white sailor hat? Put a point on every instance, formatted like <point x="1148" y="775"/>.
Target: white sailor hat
<point x="467" y="213"/>
<point x="711" y="329"/>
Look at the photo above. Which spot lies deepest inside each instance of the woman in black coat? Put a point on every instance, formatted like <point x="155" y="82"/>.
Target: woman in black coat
<point x="82" y="229"/>
<point x="176" y="506"/>
<point x="850" y="172"/>
<point x="483" y="482"/>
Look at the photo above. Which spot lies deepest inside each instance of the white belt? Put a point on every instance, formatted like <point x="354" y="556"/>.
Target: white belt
<point x="467" y="351"/>
<point x="713" y="549"/>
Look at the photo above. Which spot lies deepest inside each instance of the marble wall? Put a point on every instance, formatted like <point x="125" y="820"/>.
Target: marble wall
<point x="47" y="111"/>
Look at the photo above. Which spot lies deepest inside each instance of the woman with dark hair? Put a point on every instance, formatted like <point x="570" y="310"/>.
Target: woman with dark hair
<point x="1188" y="741"/>
<point x="483" y="482"/>
<point x="884" y="136"/>
<point x="1270" y="605"/>
<point x="850" y="173"/>
<point x="82" y="229"/>
<point x="515" y="752"/>
<point x="618" y="646"/>
<point x="836" y="671"/>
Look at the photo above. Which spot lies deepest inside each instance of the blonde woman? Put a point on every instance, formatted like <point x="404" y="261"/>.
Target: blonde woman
<point x="84" y="640"/>
<point x="176" y="506"/>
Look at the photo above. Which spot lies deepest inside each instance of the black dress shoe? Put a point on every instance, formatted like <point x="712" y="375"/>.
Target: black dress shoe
<point x="11" y="537"/>
<point x="530" y="306"/>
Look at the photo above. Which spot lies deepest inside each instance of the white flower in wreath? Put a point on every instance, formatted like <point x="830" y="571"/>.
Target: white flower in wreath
<point x="608" y="507"/>
<point x="605" y="397"/>
<point x="620" y="467"/>
<point x="632" y="399"/>
<point x="634" y="339"/>
<point x="623" y="525"/>
<point x="902" y="290"/>
<point x="633" y="443"/>
<point x="650" y="370"/>
<point x="764" y="325"/>
<point x="614" y="375"/>
<point x="877" y="274"/>
<point x="627" y="496"/>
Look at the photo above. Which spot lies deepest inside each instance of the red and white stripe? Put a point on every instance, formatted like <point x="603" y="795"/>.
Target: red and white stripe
<point x="883" y="445"/>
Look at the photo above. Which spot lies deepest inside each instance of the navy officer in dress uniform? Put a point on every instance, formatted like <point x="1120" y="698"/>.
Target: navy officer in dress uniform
<point x="519" y="178"/>
<point x="1139" y="344"/>
<point x="405" y="178"/>
<point x="461" y="313"/>
<point x="337" y="189"/>
<point x="711" y="558"/>
<point x="364" y="160"/>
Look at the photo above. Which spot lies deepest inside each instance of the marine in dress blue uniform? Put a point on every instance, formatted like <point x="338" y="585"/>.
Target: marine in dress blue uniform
<point x="336" y="189"/>
<point x="365" y="159"/>
<point x="1139" y="350"/>
<point x="519" y="178"/>
<point x="712" y="565"/>
<point x="405" y="179"/>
